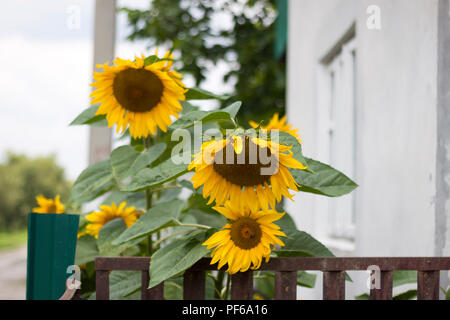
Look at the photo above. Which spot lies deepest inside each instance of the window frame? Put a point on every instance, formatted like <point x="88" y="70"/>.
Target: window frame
<point x="338" y="215"/>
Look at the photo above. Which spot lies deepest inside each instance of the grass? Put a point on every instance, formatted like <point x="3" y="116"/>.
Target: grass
<point x="13" y="239"/>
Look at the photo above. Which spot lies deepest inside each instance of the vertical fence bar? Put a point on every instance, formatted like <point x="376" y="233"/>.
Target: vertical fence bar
<point x="102" y="284"/>
<point x="334" y="285"/>
<point x="428" y="285"/>
<point x="385" y="290"/>
<point x="242" y="285"/>
<point x="194" y="285"/>
<point x="145" y="279"/>
<point x="157" y="292"/>
<point x="285" y="285"/>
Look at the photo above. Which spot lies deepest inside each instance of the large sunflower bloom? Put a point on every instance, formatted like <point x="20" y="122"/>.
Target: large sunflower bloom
<point x="246" y="239"/>
<point x="48" y="205"/>
<point x="140" y="96"/>
<point x="107" y="213"/>
<point x="248" y="171"/>
<point x="278" y="124"/>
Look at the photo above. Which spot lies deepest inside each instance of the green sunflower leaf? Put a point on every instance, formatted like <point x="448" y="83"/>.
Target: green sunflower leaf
<point x="306" y="279"/>
<point x="88" y="117"/>
<point x="107" y="234"/>
<point x="176" y="257"/>
<point x="94" y="181"/>
<point x="286" y="223"/>
<point x="265" y="282"/>
<point x="407" y="295"/>
<point x="189" y="119"/>
<point x="325" y="180"/>
<point x="363" y="296"/>
<point x="124" y="283"/>
<point x="126" y="161"/>
<point x="401" y="277"/>
<point x="121" y="160"/>
<point x="200" y="94"/>
<point x="160" y="216"/>
<point x="301" y="244"/>
<point x="187" y="107"/>
<point x="288" y="140"/>
<point x="87" y="250"/>
<point x="152" y="177"/>
<point x="215" y="220"/>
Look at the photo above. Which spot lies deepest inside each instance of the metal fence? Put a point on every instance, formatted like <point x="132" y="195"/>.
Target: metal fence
<point x="428" y="270"/>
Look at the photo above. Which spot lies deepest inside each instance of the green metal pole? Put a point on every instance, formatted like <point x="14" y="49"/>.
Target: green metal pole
<point x="52" y="240"/>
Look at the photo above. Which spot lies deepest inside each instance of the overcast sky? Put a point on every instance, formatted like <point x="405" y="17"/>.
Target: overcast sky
<point x="45" y="76"/>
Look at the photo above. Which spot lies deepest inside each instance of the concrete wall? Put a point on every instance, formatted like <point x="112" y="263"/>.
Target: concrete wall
<point x="396" y="118"/>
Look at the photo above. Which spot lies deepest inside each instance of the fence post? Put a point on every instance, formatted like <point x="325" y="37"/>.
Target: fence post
<point x="385" y="290"/>
<point x="102" y="285"/>
<point x="334" y="285"/>
<point x="194" y="285"/>
<point x="428" y="285"/>
<point x="285" y="285"/>
<point x="242" y="285"/>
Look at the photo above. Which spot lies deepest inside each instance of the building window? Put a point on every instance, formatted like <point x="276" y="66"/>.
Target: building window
<point x="337" y="134"/>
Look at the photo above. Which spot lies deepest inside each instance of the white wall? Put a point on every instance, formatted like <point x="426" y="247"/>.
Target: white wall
<point x="396" y="118"/>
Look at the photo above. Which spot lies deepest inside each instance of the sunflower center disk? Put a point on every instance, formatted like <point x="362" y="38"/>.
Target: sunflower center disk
<point x="246" y="233"/>
<point x="247" y="168"/>
<point x="137" y="90"/>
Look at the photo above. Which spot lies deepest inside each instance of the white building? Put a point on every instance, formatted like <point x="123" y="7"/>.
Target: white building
<point x="369" y="89"/>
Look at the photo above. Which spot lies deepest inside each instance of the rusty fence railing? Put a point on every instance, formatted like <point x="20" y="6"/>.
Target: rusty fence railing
<point x="428" y="271"/>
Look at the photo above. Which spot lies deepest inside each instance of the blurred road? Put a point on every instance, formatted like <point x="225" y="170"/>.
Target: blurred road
<point x="13" y="273"/>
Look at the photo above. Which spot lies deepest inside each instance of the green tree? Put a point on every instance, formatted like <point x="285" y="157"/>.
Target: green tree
<point x="21" y="180"/>
<point x="189" y="28"/>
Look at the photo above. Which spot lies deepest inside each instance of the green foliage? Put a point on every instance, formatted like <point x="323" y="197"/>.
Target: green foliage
<point x="302" y="244"/>
<point x="152" y="177"/>
<point x="87" y="250"/>
<point x="12" y="239"/>
<point x="265" y="282"/>
<point x="160" y="216"/>
<point x="176" y="257"/>
<point x="247" y="46"/>
<point x="94" y="181"/>
<point x="407" y="295"/>
<point x="189" y="119"/>
<point x="123" y="285"/>
<point x="325" y="181"/>
<point x="88" y="117"/>
<point x="288" y="140"/>
<point x="21" y="180"/>
<point x="200" y="94"/>
<point x="145" y="174"/>
<point x="399" y="278"/>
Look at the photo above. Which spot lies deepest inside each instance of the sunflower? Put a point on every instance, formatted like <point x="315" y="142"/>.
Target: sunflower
<point x="48" y="205"/>
<point x="279" y="124"/>
<point x="107" y="213"/>
<point x="250" y="171"/>
<point x="137" y="95"/>
<point x="246" y="239"/>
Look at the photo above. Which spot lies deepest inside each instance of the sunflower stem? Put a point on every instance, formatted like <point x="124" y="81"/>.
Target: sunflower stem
<point x="227" y="290"/>
<point x="218" y="284"/>
<point x="148" y="198"/>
